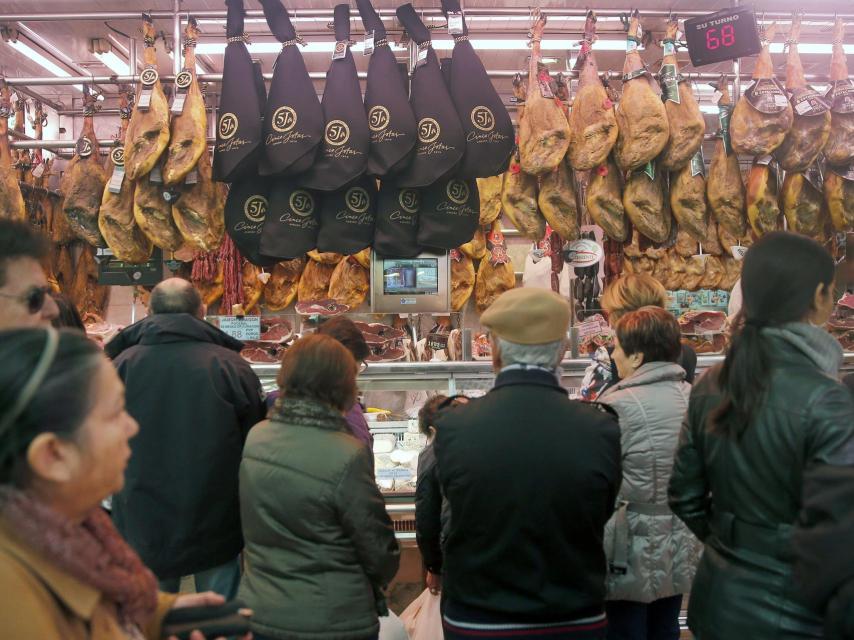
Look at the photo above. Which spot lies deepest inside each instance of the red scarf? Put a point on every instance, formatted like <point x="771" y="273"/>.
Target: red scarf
<point x="92" y="551"/>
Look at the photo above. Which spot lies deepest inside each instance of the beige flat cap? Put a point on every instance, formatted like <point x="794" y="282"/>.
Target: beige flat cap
<point x="528" y="316"/>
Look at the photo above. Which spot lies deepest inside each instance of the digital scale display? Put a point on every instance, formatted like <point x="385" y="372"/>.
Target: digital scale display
<point x="722" y="36"/>
<point x="418" y="276"/>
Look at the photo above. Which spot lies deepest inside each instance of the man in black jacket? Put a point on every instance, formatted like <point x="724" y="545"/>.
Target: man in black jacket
<point x="195" y="400"/>
<point x="531" y="478"/>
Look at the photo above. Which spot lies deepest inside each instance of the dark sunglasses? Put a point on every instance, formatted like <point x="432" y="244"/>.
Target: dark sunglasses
<point x="34" y="298"/>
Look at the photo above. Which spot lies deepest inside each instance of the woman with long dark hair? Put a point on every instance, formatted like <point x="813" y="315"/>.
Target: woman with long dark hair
<point x="774" y="410"/>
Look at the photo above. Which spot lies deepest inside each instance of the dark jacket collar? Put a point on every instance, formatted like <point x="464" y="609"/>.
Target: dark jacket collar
<point x="309" y="413"/>
<point x="535" y="377"/>
<point x="168" y="328"/>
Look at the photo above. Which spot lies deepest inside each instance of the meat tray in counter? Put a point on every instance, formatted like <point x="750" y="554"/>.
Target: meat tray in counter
<point x="705" y="331"/>
<point x="385" y="343"/>
<point x="841" y="323"/>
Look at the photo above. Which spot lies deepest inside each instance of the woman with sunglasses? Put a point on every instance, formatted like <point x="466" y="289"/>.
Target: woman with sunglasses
<point x="65" y="572"/>
<point x="25" y="299"/>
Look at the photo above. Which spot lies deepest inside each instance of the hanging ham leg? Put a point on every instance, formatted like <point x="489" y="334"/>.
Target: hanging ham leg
<point x="115" y="220"/>
<point x="839" y="149"/>
<point x="688" y="198"/>
<point x="839" y="193"/>
<point x="84" y="180"/>
<point x="811" y="126"/>
<point x="641" y="115"/>
<point x="519" y="200"/>
<point x="148" y="132"/>
<point x="199" y="212"/>
<point x="763" y="209"/>
<point x="755" y="132"/>
<point x="187" y="142"/>
<point x="605" y="201"/>
<point x="687" y="124"/>
<point x="543" y="131"/>
<point x="592" y="123"/>
<point x="646" y="204"/>
<point x="462" y="279"/>
<point x="803" y="205"/>
<point x="557" y="201"/>
<point x="725" y="187"/>
<point x="11" y="200"/>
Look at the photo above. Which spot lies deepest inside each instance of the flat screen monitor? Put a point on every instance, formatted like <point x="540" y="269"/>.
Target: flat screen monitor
<point x="410" y="285"/>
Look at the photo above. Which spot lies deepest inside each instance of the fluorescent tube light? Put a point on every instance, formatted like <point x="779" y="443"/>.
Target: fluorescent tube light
<point x="199" y="68"/>
<point x="810" y="47"/>
<point x="115" y="63"/>
<point x="42" y="61"/>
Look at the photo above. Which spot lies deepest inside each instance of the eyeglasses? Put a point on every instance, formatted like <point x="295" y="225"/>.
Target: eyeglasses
<point x="34" y="298"/>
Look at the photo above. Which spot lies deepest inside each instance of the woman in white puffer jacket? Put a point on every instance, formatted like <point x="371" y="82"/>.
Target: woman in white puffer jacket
<point x="652" y="555"/>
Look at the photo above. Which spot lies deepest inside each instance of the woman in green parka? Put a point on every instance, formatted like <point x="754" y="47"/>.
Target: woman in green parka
<point x="773" y="411"/>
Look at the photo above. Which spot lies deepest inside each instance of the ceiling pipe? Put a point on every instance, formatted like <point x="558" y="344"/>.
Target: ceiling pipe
<point x="554" y="13"/>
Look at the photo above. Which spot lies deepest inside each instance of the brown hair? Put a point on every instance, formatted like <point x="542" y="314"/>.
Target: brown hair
<point x="651" y="331"/>
<point x="427" y="413"/>
<point x="630" y="292"/>
<point x="319" y="368"/>
<point x="345" y="331"/>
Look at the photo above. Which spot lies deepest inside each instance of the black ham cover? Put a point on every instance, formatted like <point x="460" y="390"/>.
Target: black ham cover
<point x="292" y="221"/>
<point x="343" y="154"/>
<point x="449" y="213"/>
<point x="293" y="120"/>
<point x="396" y="233"/>
<point x="347" y="218"/>
<point x="241" y="107"/>
<point x="489" y="134"/>
<point x="390" y="117"/>
<point x="246" y="210"/>
<point x="441" y="141"/>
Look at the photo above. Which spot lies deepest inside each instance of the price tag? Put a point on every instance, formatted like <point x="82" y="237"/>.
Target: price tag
<point x="698" y="167"/>
<point x="422" y="54"/>
<point x="738" y="252"/>
<point x="766" y="95"/>
<point x="192" y="177"/>
<point x="38" y="170"/>
<point x="670" y="83"/>
<point x="156" y="176"/>
<point x="340" y="51"/>
<point x="395" y="473"/>
<point x="245" y="328"/>
<point x="116" y="180"/>
<point x="182" y="85"/>
<point x="716" y="96"/>
<point x="841" y="96"/>
<point x="369" y="44"/>
<point x="455" y="23"/>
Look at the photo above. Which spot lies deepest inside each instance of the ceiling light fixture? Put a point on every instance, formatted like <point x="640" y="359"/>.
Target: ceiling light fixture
<point x="26" y="50"/>
<point x="114" y="63"/>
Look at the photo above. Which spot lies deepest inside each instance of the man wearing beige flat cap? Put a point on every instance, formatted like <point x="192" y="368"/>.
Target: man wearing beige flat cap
<point x="531" y="477"/>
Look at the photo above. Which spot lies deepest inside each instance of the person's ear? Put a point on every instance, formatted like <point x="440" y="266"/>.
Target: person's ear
<point x="203" y="311"/>
<point x="52" y="459"/>
<point x="636" y="359"/>
<point x="431" y="434"/>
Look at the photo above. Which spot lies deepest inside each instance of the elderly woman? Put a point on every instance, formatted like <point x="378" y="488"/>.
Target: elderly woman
<point x="65" y="573"/>
<point x="628" y="293"/>
<point x="652" y="556"/>
<point x="320" y="546"/>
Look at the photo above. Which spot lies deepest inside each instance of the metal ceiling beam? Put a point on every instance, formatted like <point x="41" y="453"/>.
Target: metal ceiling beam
<point x="320" y="75"/>
<point x="498" y="12"/>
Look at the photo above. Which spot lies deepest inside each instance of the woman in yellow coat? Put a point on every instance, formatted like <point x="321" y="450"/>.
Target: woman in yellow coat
<point x="65" y="573"/>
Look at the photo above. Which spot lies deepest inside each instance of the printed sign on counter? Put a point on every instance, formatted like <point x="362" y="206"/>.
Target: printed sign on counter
<point x="241" y="328"/>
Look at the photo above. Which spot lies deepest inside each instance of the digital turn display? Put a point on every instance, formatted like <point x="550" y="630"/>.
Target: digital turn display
<point x="725" y="35"/>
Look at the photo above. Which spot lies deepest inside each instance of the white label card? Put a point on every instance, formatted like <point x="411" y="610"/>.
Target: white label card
<point x="245" y="328"/>
<point x="116" y="179"/>
<point x="455" y="23"/>
<point x="369" y="44"/>
<point x="738" y="252"/>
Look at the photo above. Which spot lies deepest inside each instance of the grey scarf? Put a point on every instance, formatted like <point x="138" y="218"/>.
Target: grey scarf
<point x="814" y="342"/>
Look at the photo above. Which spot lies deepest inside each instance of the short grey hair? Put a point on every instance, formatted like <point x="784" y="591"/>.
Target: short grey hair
<point x="175" y="296"/>
<point x="548" y="355"/>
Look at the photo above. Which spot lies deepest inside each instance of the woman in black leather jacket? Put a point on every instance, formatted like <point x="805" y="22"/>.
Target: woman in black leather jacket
<point x="773" y="413"/>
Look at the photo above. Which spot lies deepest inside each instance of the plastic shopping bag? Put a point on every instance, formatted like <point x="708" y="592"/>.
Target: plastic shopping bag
<point x="422" y="618"/>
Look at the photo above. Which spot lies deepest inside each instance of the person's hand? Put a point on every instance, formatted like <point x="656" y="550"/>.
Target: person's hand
<point x="434" y="582"/>
<point x="206" y="599"/>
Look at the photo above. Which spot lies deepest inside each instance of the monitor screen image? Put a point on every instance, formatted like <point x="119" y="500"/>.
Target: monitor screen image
<point x="416" y="276"/>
